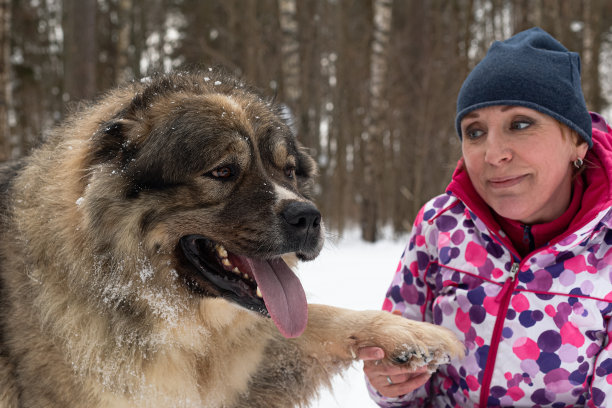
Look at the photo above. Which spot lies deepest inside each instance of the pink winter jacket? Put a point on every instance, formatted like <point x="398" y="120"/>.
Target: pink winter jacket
<point x="536" y="328"/>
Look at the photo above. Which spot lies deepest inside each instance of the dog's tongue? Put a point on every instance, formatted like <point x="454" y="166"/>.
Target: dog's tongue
<point x="283" y="295"/>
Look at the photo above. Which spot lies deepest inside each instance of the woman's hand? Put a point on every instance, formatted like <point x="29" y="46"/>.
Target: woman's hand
<point x="388" y="379"/>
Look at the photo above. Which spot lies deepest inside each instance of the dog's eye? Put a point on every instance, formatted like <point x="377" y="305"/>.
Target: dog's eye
<point x="224" y="173"/>
<point x="290" y="172"/>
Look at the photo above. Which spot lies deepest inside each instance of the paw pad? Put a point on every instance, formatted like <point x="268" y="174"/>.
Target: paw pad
<point x="416" y="357"/>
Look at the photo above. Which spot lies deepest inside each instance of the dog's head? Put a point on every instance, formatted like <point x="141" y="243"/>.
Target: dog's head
<point x="217" y="181"/>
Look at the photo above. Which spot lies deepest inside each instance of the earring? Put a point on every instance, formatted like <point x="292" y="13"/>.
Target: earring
<point x="578" y="163"/>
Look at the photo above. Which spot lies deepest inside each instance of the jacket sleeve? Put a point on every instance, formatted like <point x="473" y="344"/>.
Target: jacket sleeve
<point x="600" y="394"/>
<point x="408" y="295"/>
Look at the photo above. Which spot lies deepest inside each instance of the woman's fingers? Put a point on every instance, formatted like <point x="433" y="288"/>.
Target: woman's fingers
<point x="380" y="367"/>
<point x="391" y="380"/>
<point x="406" y="383"/>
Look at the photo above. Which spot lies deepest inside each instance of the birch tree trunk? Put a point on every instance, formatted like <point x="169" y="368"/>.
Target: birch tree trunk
<point x="290" y="52"/>
<point x="375" y="124"/>
<point x="592" y="39"/>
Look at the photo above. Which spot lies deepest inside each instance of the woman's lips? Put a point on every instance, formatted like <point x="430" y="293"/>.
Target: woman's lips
<point x="505" y="182"/>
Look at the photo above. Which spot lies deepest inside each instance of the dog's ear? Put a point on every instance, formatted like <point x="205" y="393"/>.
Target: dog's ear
<point x="110" y="142"/>
<point x="306" y="172"/>
<point x="286" y="115"/>
<point x="306" y="167"/>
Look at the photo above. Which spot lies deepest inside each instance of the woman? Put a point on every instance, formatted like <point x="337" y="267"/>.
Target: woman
<point x="516" y="257"/>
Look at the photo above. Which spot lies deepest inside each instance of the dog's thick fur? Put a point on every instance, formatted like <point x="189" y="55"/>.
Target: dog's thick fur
<point x="105" y="300"/>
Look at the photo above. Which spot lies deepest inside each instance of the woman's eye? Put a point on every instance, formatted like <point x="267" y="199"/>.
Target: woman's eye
<point x="473" y="133"/>
<point x="521" y="124"/>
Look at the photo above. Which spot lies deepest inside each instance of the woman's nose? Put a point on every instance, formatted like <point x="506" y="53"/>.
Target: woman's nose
<point x="498" y="150"/>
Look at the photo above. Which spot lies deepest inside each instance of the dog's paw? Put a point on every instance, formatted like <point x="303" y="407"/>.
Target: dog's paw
<point x="416" y="357"/>
<point x="417" y="344"/>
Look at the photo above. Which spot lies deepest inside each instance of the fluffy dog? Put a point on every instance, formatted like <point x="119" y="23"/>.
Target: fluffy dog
<point x="143" y="253"/>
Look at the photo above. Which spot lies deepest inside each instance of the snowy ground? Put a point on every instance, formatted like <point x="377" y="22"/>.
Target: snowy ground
<point x="353" y="274"/>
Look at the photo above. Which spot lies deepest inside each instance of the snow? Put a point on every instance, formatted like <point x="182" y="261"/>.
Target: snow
<point x="352" y="274"/>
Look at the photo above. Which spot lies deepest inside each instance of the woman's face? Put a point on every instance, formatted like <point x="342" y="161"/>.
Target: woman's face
<point x="520" y="162"/>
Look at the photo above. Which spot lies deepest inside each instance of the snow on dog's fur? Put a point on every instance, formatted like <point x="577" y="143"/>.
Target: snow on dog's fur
<point x="141" y="260"/>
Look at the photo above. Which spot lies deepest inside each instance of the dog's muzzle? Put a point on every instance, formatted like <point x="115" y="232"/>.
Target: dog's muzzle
<point x="303" y="228"/>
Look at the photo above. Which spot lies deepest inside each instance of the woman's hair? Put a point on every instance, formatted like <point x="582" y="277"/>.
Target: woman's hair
<point x="568" y="133"/>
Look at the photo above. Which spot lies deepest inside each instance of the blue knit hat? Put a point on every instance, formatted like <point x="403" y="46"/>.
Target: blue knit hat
<point x="530" y="69"/>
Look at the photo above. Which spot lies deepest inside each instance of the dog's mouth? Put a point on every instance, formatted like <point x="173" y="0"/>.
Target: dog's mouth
<point x="266" y="286"/>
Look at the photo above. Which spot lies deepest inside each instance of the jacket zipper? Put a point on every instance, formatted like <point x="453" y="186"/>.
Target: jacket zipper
<point x="503" y="298"/>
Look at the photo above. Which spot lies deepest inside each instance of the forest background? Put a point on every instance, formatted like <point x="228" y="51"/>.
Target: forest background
<point x="372" y="83"/>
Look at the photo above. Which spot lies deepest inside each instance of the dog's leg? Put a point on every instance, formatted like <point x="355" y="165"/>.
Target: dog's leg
<point x="338" y="334"/>
<point x="293" y="369"/>
<point x="8" y="390"/>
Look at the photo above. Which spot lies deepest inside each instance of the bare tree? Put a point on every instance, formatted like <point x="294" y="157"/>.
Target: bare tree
<point x="123" y="68"/>
<point x="308" y="113"/>
<point x="591" y="53"/>
<point x="80" y="51"/>
<point x="372" y="192"/>
<point x="5" y="79"/>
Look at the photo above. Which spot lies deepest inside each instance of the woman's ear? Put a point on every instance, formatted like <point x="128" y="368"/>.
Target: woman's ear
<point x="581" y="150"/>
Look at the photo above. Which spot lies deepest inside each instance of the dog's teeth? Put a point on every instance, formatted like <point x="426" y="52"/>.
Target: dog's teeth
<point x="245" y="276"/>
<point x="236" y="271"/>
<point x="226" y="262"/>
<point x="258" y="292"/>
<point x="221" y="251"/>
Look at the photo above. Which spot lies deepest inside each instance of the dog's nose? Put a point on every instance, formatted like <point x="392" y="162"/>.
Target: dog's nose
<point x="302" y="216"/>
